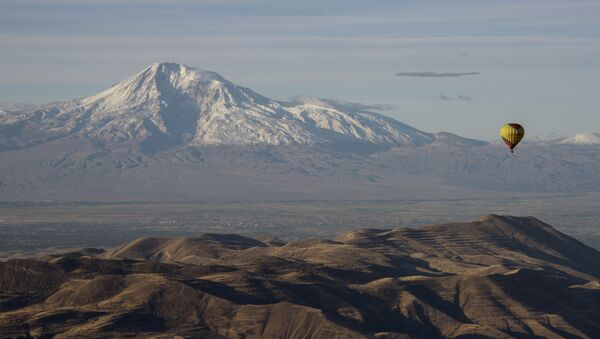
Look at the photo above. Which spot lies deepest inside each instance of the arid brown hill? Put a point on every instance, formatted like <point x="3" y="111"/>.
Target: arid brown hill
<point x="499" y="277"/>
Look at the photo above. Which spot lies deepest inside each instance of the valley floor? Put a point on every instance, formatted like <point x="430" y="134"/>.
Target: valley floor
<point x="28" y="229"/>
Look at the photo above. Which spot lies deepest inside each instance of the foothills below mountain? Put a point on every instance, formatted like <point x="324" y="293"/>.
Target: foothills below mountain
<point x="172" y="132"/>
<point x="499" y="277"/>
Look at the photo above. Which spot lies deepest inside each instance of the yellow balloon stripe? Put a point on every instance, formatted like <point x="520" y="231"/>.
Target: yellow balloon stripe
<point x="512" y="134"/>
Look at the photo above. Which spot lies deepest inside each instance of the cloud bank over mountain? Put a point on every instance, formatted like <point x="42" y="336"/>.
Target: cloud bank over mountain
<point x="351" y="106"/>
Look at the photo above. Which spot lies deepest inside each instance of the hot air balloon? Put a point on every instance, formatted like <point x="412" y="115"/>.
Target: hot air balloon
<point x="512" y="134"/>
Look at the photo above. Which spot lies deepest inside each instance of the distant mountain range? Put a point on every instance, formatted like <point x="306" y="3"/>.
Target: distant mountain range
<point x="498" y="277"/>
<point x="175" y="132"/>
<point x="587" y="138"/>
<point x="580" y="139"/>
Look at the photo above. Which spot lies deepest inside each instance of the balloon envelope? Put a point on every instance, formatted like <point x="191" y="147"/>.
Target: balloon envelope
<point x="512" y="134"/>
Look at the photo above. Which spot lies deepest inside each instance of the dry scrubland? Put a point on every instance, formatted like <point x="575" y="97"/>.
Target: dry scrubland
<point x="499" y="277"/>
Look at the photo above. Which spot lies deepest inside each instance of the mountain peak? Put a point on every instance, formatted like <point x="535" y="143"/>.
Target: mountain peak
<point x="160" y="84"/>
<point x="168" y="66"/>
<point x="582" y="139"/>
<point x="170" y="104"/>
<point x="179" y="71"/>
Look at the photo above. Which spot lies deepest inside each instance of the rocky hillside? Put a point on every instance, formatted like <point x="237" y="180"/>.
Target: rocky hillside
<point x="499" y="277"/>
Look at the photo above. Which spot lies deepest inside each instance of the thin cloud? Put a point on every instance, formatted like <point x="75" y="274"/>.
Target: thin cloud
<point x="461" y="97"/>
<point x="435" y="74"/>
<point x="343" y="105"/>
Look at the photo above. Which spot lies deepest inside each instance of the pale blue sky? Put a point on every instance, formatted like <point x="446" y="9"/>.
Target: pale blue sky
<point x="539" y="60"/>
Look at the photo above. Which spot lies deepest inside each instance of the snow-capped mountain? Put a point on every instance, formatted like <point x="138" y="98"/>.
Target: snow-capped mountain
<point x="541" y="138"/>
<point x="171" y="104"/>
<point x="177" y="133"/>
<point x="581" y="139"/>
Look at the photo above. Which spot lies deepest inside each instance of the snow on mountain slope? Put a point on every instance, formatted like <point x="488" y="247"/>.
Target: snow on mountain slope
<point x="7" y="116"/>
<point x="449" y="139"/>
<point x="581" y="139"/>
<point x="171" y="104"/>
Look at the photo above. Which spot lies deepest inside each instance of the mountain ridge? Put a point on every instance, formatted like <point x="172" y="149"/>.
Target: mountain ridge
<point x="588" y="138"/>
<point x="484" y="278"/>
<point x="170" y="104"/>
<point x="171" y="132"/>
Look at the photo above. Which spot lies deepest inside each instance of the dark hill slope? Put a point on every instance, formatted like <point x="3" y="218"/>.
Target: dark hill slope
<point x="499" y="277"/>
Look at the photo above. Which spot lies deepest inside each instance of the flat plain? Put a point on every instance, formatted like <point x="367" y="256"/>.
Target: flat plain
<point x="32" y="228"/>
